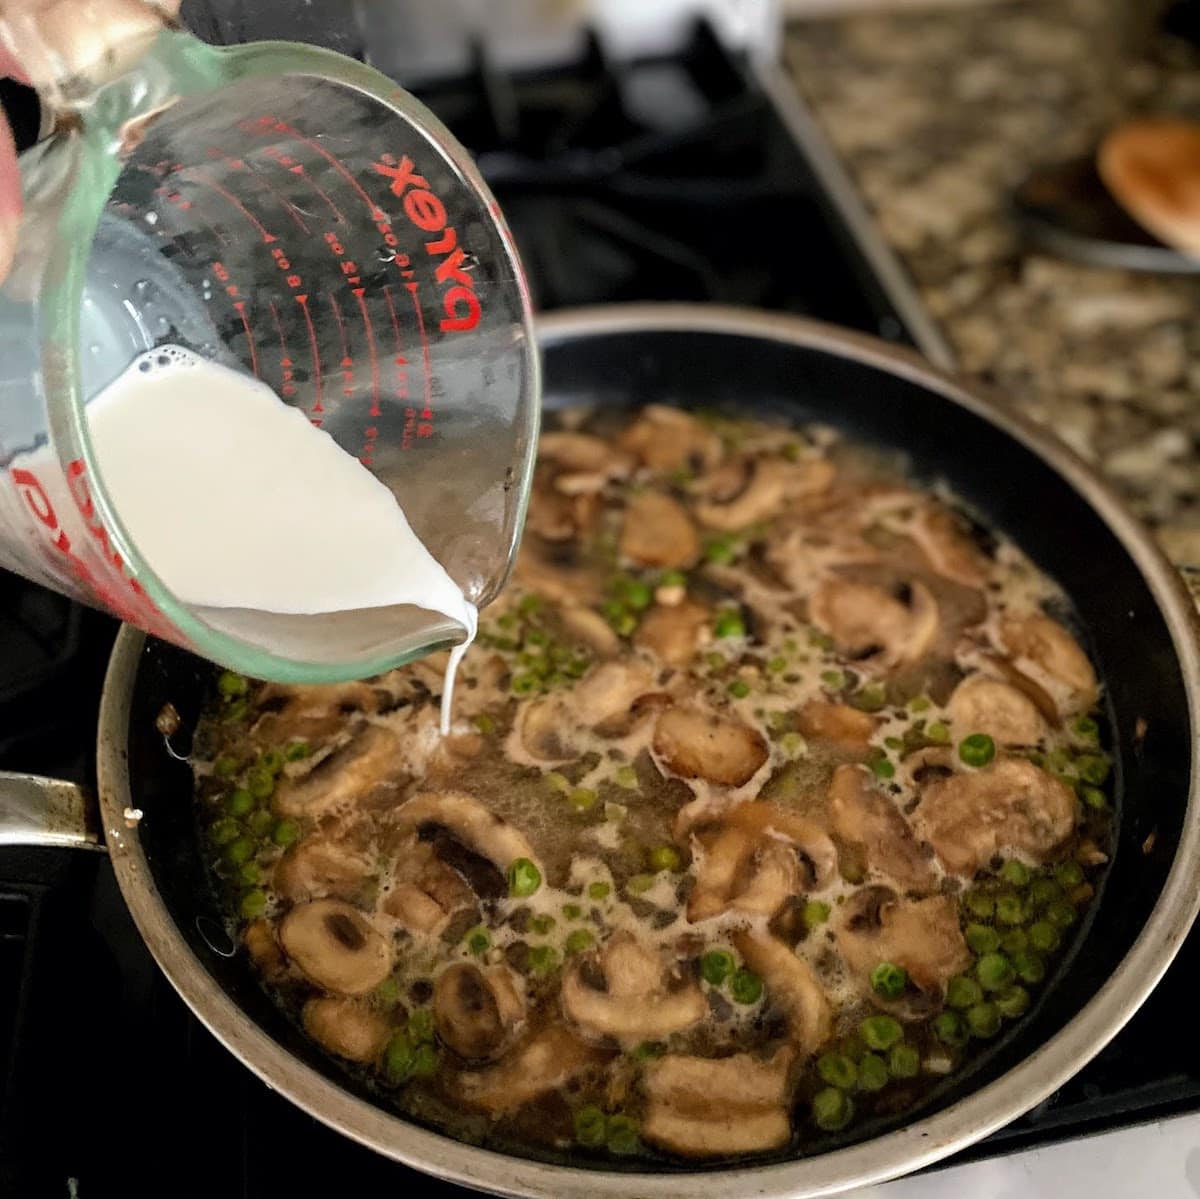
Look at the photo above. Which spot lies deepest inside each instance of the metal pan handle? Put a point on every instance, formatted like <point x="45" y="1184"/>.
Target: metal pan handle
<point x="41" y="811"/>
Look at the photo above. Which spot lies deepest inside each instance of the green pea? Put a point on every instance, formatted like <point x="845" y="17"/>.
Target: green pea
<point x="977" y="750"/>
<point x="777" y="665"/>
<point x="950" y="1030"/>
<point x="816" y="911"/>
<point x="225" y="767"/>
<point x="582" y="799"/>
<point x="833" y="679"/>
<point x="963" y="991"/>
<point x="1012" y="1001"/>
<point x="647" y="1051"/>
<point x="223" y="831"/>
<point x="920" y="703"/>
<point x="719" y="551"/>
<point x="739" y="688"/>
<point x="1014" y="872"/>
<point x="261" y="822"/>
<point x="981" y="938"/>
<point x="1015" y="941"/>
<point x="253" y="903"/>
<point x="238" y="852"/>
<point x="525" y="684"/>
<point x="239" y="802"/>
<point x="388" y="991"/>
<point x="729" y="623"/>
<point x="638" y="595"/>
<point x="272" y="761"/>
<point x="598" y="890"/>
<point x="578" y="941"/>
<point x="250" y="874"/>
<point x="1092" y="768"/>
<point x="881" y="1032"/>
<point x="871" y="698"/>
<point x="1068" y="874"/>
<point x="524" y="878"/>
<point x="994" y="971"/>
<point x="639" y="884"/>
<point x="872" y="1072"/>
<point x="231" y="685"/>
<point x="236" y="710"/>
<point x="1094" y="798"/>
<point x="838" y="1070"/>
<point x="294" y="751"/>
<point x="1061" y="915"/>
<point x="980" y="904"/>
<point x="1029" y="967"/>
<point x="889" y="980"/>
<point x="261" y="782"/>
<point x="716" y="966"/>
<point x="627" y="778"/>
<point x="983" y="1020"/>
<point x="529" y="604"/>
<point x="478" y="940"/>
<point x="542" y="924"/>
<point x="1009" y="908"/>
<point x="557" y="782"/>
<point x="745" y="986"/>
<point x="792" y="744"/>
<point x="938" y="733"/>
<point x="543" y="959"/>
<point x="882" y="768"/>
<point x="622" y="1135"/>
<point x="1044" y="891"/>
<point x="286" y="832"/>
<point x="904" y="1061"/>
<point x="420" y="1024"/>
<point x="591" y="1125"/>
<point x="832" y="1109"/>
<point x="398" y="1057"/>
<point x="424" y="1061"/>
<point x="664" y="857"/>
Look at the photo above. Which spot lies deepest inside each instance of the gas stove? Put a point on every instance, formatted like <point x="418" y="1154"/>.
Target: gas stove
<point x="689" y="173"/>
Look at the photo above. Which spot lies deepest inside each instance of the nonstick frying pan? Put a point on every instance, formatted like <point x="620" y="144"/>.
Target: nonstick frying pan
<point x="1143" y="636"/>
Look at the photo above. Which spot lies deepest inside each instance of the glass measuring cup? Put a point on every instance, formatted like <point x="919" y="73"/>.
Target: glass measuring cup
<point x="291" y="213"/>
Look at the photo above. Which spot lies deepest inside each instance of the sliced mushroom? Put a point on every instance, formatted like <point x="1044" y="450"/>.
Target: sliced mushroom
<point x="923" y="766"/>
<point x="480" y="830"/>
<point x="698" y="744"/>
<point x="545" y="728"/>
<point x="921" y="936"/>
<point x="368" y="770"/>
<point x="347" y="1027"/>
<point x="319" y="866"/>
<point x="259" y="940"/>
<point x="983" y="705"/>
<point x="1010" y="806"/>
<point x="583" y="453"/>
<point x="314" y="714"/>
<point x="583" y="626"/>
<point x="940" y="534"/>
<point x="557" y="573"/>
<point x="891" y="627"/>
<point x="550" y="1059"/>
<point x="792" y="987"/>
<point x="476" y="1012"/>
<point x="656" y="531"/>
<point x="768" y="483"/>
<point x="623" y="991"/>
<point x="416" y="909"/>
<point x="674" y="633"/>
<point x="846" y="727"/>
<point x="707" y="1106"/>
<point x="1043" y="649"/>
<point x="870" y="823"/>
<point x="668" y="439"/>
<point x="608" y="691"/>
<point x="336" y="946"/>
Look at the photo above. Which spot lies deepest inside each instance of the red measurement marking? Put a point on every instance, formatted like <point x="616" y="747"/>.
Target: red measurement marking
<point x="287" y="387"/>
<point x="267" y="236"/>
<point x="240" y="164"/>
<point x="193" y="215"/>
<point x="366" y="320"/>
<point x="292" y="131"/>
<point x="316" y="356"/>
<point x="289" y="164"/>
<point x="416" y="303"/>
<point x="240" y="305"/>
<point x="341" y="328"/>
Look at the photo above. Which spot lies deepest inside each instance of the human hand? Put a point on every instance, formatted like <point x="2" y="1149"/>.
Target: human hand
<point x="43" y="41"/>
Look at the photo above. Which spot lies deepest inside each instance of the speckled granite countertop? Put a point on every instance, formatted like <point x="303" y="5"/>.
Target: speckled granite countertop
<point x="938" y="116"/>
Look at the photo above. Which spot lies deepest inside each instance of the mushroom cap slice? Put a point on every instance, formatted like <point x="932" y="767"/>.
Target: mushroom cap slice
<point x="545" y="1062"/>
<point x="476" y="1012"/>
<point x="863" y="817"/>
<point x="921" y="936"/>
<point x="792" y="986"/>
<point x="894" y="627"/>
<point x="416" y="909"/>
<point x="259" y="940"/>
<point x="623" y="991"/>
<point x="608" y="691"/>
<point x="336" y="946"/>
<point x="1009" y="805"/>
<point x="1044" y="650"/>
<point x="373" y="761"/>
<point x="983" y="705"/>
<point x="347" y="1027"/>
<point x="674" y="633"/>
<point x="479" y="829"/>
<point x="583" y="626"/>
<point x="769" y="483"/>
<point x="846" y="727"/>
<point x="698" y="744"/>
<point x="544" y="727"/>
<point x="942" y="538"/>
<point x="657" y="531"/>
<point x="702" y="1107"/>
<point x="668" y="439"/>
<point x="319" y="866"/>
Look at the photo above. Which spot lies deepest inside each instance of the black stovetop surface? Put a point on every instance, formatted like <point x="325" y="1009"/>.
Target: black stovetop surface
<point x="673" y="181"/>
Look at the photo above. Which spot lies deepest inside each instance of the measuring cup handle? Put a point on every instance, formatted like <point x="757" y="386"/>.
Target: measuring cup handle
<point x="47" y="812"/>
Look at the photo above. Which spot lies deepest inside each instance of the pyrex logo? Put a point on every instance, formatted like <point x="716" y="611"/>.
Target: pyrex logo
<point x="428" y="213"/>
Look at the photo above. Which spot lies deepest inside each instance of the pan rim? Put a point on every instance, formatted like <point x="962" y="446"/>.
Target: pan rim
<point x="872" y="1161"/>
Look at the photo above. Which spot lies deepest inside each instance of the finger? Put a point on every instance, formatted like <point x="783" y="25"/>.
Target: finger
<point x="10" y="199"/>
